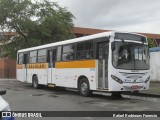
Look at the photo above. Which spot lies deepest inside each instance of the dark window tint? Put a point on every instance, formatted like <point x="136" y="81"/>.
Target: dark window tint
<point x="80" y="46"/>
<point x="88" y="45"/>
<point x="85" y="50"/>
<point x="89" y="54"/>
<point x="80" y="55"/>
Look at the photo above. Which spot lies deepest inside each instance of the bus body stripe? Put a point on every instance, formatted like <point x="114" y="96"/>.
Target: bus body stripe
<point x="37" y="66"/>
<point x="19" y="66"/>
<point x="76" y="64"/>
<point x="34" y="66"/>
<point x="69" y="64"/>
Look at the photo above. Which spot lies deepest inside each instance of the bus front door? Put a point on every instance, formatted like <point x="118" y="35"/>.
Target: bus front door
<point x="51" y="65"/>
<point x="103" y="48"/>
<point x="25" y="59"/>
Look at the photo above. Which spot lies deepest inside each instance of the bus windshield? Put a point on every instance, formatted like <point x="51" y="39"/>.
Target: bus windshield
<point x="130" y="56"/>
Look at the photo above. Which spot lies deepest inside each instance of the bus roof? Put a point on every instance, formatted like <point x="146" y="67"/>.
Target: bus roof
<point x="85" y="38"/>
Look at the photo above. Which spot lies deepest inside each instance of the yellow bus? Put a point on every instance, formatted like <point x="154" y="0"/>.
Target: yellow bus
<point x="109" y="61"/>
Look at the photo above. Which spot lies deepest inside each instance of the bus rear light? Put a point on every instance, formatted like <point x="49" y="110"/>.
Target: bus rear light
<point x="147" y="79"/>
<point x="116" y="79"/>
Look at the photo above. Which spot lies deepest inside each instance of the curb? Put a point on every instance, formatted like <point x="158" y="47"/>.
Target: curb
<point x="144" y="94"/>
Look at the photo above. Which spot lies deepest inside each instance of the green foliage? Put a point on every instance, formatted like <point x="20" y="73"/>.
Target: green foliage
<point x="150" y="43"/>
<point x="35" y="22"/>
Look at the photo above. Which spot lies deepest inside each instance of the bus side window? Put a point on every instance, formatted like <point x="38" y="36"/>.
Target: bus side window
<point x="42" y="55"/>
<point x="54" y="53"/>
<point x="25" y="58"/>
<point x="33" y="57"/>
<point x="68" y="52"/>
<point x="59" y="53"/>
<point x="89" y="50"/>
<point x="20" y="58"/>
<point x="85" y="50"/>
<point x="80" y="51"/>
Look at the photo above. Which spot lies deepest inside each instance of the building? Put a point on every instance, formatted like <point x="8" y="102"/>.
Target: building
<point x="7" y="68"/>
<point x="79" y="32"/>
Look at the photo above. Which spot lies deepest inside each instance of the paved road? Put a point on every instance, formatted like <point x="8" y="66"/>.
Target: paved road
<point x="22" y="97"/>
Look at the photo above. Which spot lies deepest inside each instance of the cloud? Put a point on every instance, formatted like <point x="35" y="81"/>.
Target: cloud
<point x="125" y="15"/>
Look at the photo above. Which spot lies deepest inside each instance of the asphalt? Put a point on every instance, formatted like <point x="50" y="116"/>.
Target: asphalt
<point x="153" y="91"/>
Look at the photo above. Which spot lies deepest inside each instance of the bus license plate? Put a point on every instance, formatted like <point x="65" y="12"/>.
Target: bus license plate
<point x="134" y="87"/>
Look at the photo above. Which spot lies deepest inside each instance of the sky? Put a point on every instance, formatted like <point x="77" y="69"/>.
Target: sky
<point x="121" y="15"/>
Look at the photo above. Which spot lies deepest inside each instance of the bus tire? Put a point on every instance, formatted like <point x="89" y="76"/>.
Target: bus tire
<point x="35" y="82"/>
<point x="83" y="87"/>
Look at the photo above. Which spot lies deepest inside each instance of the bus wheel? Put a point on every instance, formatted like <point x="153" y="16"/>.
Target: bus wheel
<point x="83" y="87"/>
<point x="35" y="82"/>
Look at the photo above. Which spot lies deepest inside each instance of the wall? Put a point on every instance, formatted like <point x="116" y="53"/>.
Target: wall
<point x="155" y="66"/>
<point x="7" y="68"/>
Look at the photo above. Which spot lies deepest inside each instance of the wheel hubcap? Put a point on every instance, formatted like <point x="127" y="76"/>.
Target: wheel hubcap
<point x="84" y="88"/>
<point x="35" y="83"/>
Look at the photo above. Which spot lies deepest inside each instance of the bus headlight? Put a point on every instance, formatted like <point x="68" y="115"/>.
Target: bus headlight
<point x="117" y="79"/>
<point x="147" y="79"/>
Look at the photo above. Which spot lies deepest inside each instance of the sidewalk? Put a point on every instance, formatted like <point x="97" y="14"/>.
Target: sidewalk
<point x="154" y="90"/>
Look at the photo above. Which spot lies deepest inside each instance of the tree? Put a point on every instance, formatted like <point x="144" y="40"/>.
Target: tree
<point x="150" y="43"/>
<point x="35" y="23"/>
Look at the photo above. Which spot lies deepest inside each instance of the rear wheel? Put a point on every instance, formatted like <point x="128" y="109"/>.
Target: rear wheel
<point x="35" y="82"/>
<point x="83" y="87"/>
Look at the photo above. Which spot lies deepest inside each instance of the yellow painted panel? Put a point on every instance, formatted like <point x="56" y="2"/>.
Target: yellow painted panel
<point x="19" y="66"/>
<point x="37" y="66"/>
<point x="76" y="64"/>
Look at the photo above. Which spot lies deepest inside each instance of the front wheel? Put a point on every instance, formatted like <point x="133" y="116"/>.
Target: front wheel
<point x="83" y="87"/>
<point x="35" y="82"/>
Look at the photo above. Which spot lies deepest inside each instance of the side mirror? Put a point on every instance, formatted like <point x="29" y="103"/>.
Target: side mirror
<point x="113" y="45"/>
<point x="2" y="92"/>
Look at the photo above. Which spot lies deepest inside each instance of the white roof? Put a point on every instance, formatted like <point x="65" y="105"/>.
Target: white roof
<point x="89" y="37"/>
